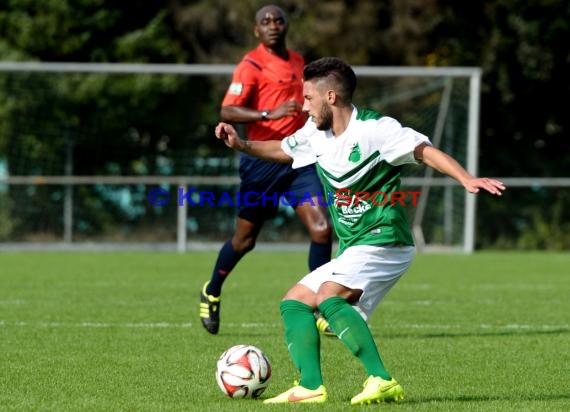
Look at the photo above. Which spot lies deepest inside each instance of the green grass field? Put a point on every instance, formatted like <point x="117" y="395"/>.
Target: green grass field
<point x="120" y="332"/>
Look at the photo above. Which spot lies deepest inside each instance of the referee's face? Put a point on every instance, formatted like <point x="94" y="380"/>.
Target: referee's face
<point x="271" y="27"/>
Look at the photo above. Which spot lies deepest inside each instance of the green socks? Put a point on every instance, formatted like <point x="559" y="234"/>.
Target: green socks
<point x="303" y="341"/>
<point x="353" y="330"/>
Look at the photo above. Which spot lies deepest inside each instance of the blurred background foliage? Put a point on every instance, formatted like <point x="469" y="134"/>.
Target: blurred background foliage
<point x="521" y="45"/>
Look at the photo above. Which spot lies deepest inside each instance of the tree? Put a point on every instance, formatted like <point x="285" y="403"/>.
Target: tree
<point x="142" y="119"/>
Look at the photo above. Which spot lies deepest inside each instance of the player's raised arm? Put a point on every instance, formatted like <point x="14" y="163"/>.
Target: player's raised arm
<point x="444" y="163"/>
<point x="267" y="150"/>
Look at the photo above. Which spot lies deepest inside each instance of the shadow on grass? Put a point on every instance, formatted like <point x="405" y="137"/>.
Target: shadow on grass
<point x="481" y="334"/>
<point x="481" y="398"/>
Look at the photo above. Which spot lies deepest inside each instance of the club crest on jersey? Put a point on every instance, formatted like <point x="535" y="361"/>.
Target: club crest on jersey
<point x="236" y="88"/>
<point x="355" y="154"/>
<point x="292" y="142"/>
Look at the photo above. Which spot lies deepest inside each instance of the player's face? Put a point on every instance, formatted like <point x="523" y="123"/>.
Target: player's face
<point x="325" y="117"/>
<point x="317" y="106"/>
<point x="271" y="28"/>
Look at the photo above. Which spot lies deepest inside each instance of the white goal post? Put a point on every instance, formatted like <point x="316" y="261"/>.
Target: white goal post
<point x="424" y="98"/>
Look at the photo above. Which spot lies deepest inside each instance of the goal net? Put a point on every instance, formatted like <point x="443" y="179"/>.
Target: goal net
<point x="82" y="145"/>
<point x="444" y="105"/>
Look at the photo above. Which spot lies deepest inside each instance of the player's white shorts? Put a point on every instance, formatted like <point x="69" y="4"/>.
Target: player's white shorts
<point x="373" y="269"/>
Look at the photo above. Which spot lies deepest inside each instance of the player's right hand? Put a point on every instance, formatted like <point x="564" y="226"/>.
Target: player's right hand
<point x="228" y="134"/>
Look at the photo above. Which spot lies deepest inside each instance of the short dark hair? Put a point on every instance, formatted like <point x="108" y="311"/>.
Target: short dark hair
<point x="337" y="71"/>
<point x="260" y="15"/>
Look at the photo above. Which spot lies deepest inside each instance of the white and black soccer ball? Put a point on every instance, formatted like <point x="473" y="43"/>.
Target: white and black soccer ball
<point x="243" y="371"/>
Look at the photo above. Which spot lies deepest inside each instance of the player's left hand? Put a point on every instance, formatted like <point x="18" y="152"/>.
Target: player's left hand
<point x="493" y="186"/>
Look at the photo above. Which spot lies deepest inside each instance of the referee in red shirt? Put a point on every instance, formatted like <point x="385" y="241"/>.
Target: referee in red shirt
<point x="266" y="94"/>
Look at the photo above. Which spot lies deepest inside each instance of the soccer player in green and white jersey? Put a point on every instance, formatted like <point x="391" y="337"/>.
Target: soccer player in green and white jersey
<point x="358" y="154"/>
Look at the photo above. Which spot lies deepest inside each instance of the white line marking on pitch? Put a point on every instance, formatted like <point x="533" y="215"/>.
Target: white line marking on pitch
<point x="168" y="325"/>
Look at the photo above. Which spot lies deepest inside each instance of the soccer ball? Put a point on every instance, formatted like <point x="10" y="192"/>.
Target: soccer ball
<point x="243" y="371"/>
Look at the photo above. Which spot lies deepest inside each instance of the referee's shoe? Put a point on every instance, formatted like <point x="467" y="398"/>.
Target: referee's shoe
<point x="209" y="311"/>
<point x="323" y="325"/>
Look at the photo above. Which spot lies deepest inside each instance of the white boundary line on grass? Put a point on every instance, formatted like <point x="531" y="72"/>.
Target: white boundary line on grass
<point x="188" y="325"/>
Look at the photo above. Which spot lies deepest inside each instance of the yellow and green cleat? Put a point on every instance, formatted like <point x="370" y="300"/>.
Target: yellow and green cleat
<point x="378" y="390"/>
<point x="300" y="394"/>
